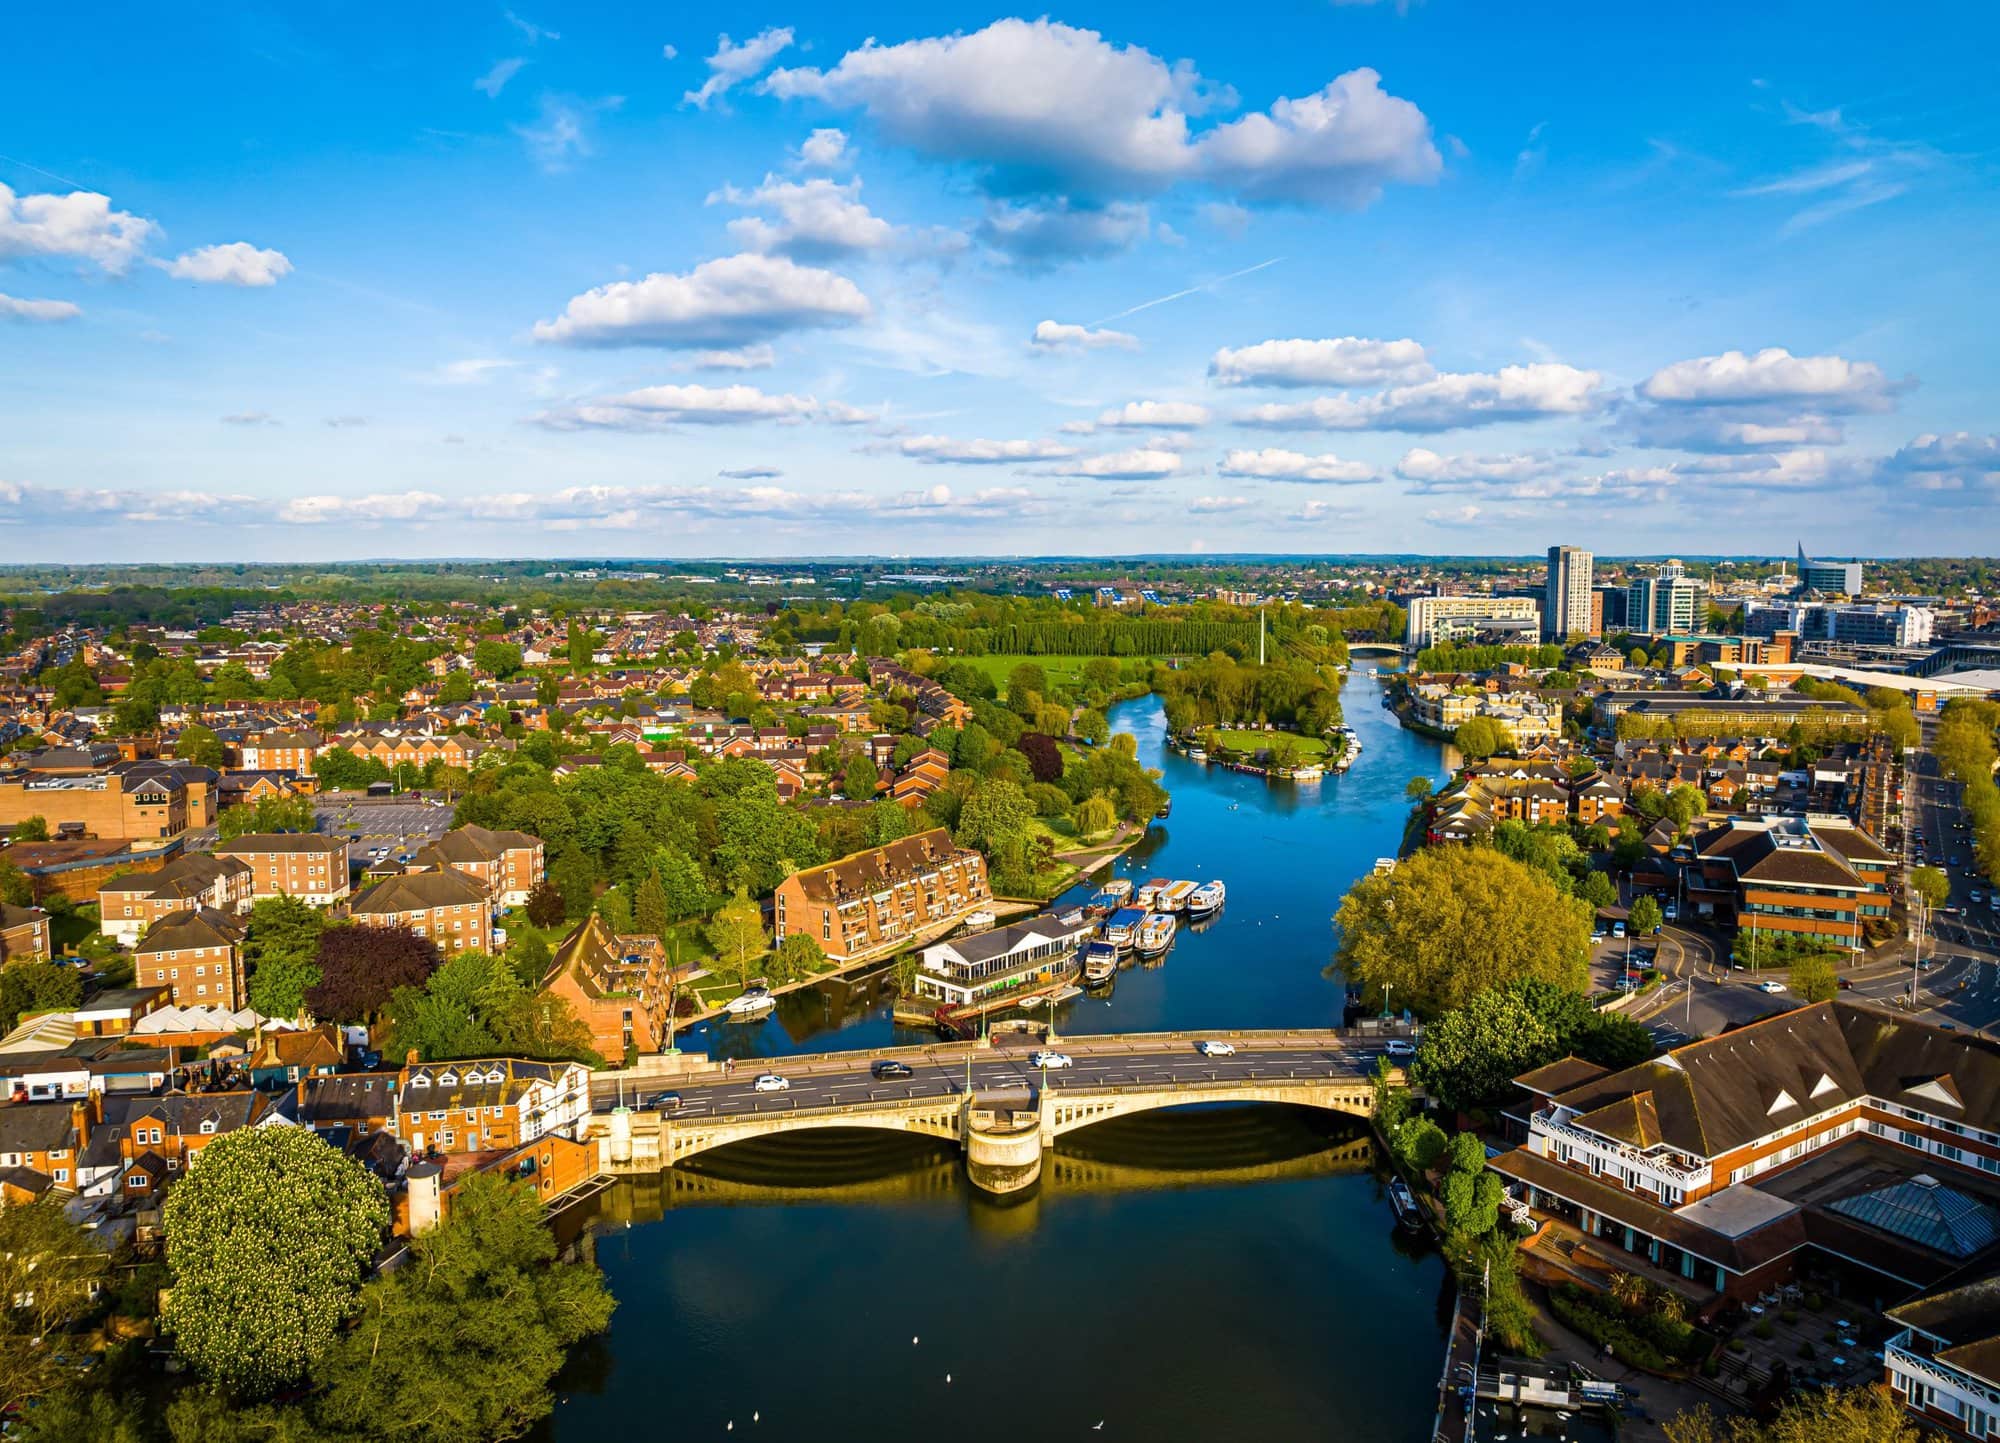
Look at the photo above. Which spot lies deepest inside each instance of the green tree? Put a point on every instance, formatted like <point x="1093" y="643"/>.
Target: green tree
<point x="1418" y="789"/>
<point x="1814" y="977"/>
<point x="31" y="829"/>
<point x="49" y="1267"/>
<point x="200" y="745"/>
<point x="281" y="953"/>
<point x="736" y="932"/>
<point x="1599" y="890"/>
<point x="1471" y="1053"/>
<point x="15" y="888"/>
<point x="682" y="884"/>
<point x="463" y="1342"/>
<point x="649" y="906"/>
<point x="1868" y="1414"/>
<point x="860" y="777"/>
<point x="798" y="956"/>
<point x="1932" y="885"/>
<point x="1420" y="1144"/>
<point x="1481" y="737"/>
<point x="1095" y="815"/>
<point x="267" y="1241"/>
<point x="545" y="905"/>
<point x="995" y="816"/>
<point x="1091" y="726"/>
<point x="31" y="987"/>
<point x="1448" y="923"/>
<point x="268" y="814"/>
<point x="1646" y="917"/>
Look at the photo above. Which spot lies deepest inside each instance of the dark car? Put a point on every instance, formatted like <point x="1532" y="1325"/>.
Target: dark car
<point x="888" y="1067"/>
<point x="667" y="1102"/>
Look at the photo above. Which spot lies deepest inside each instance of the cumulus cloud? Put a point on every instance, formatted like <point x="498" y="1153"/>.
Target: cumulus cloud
<point x="1052" y="336"/>
<point x="1960" y="461"/>
<point x="1035" y="237"/>
<point x="977" y="451"/>
<point x="1434" y="472"/>
<point x="1445" y="402"/>
<point x="742" y="358"/>
<point x="732" y="64"/>
<point x="720" y="304"/>
<point x="815" y="218"/>
<point x="1729" y="429"/>
<point x="237" y="264"/>
<point x="1144" y="464"/>
<point x="1774" y="374"/>
<point x="12" y="308"/>
<point x="653" y="407"/>
<point x="1272" y="464"/>
<point x="1155" y="416"/>
<point x="1344" y="361"/>
<point x="81" y="224"/>
<point x="1215" y="505"/>
<point x="360" y="510"/>
<point x="824" y="149"/>
<point x="1038" y="107"/>
<point x="495" y="80"/>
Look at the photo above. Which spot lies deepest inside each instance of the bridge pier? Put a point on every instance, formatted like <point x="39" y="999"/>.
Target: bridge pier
<point x="1003" y="1148"/>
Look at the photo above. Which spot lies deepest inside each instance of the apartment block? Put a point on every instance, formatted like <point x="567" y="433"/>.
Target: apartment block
<point x="304" y="865"/>
<point x="877" y="900"/>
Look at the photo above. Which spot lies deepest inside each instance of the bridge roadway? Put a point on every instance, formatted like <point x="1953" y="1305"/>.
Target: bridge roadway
<point x="843" y="1079"/>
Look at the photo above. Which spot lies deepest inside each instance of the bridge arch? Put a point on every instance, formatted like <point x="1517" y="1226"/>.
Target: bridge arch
<point x="684" y="1140"/>
<point x="1067" y="1111"/>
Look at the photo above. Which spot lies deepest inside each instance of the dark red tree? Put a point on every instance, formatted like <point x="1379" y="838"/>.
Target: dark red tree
<point x="1044" y="756"/>
<point x="546" y="907"/>
<point x="360" y="966"/>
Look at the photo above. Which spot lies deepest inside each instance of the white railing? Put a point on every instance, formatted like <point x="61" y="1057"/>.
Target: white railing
<point x="1896" y="1352"/>
<point x="1594" y="1145"/>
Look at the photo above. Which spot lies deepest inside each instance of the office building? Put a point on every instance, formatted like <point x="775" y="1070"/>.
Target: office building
<point x="1434" y="619"/>
<point x="1836" y="578"/>
<point x="1666" y="603"/>
<point x="1566" y="603"/>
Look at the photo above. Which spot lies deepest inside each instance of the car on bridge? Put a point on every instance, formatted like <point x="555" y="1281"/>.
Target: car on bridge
<point x="1050" y="1060"/>
<point x="888" y="1067"/>
<point x="1216" y="1049"/>
<point x="771" y="1082"/>
<point x="667" y="1102"/>
<point x="1400" y="1047"/>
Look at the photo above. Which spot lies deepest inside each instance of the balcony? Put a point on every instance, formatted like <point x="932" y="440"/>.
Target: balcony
<point x="1909" y="1353"/>
<point x="1685" y="1178"/>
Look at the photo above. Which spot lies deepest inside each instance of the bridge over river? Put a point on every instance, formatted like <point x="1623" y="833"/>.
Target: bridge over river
<point x="991" y="1100"/>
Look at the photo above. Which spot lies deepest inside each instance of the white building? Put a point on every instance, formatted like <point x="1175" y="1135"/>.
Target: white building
<point x="1432" y="619"/>
<point x="1566" y="606"/>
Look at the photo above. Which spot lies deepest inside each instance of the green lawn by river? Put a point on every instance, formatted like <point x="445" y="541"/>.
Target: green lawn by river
<point x="1250" y="743"/>
<point x="1065" y="671"/>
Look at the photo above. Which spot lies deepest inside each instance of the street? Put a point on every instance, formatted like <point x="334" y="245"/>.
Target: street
<point x="843" y="1079"/>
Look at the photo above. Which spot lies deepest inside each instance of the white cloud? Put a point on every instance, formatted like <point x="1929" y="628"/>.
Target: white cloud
<point x="1445" y="402"/>
<point x="1035" y="237"/>
<point x="1042" y="107"/>
<point x="1700" y="428"/>
<point x="12" y="308"/>
<point x="725" y="303"/>
<point x="565" y="130"/>
<point x="1456" y="516"/>
<point x="1960" y="461"/>
<point x="470" y="371"/>
<point x="1315" y="512"/>
<point x="1216" y="505"/>
<point x="743" y="358"/>
<point x="1053" y="336"/>
<point x="1771" y="375"/>
<point x="732" y="64"/>
<point x="1146" y="464"/>
<point x="1155" y="416"/>
<point x="652" y="407"/>
<point x="977" y="451"/>
<point x="495" y="80"/>
<point x="1434" y="472"/>
<point x="816" y="218"/>
<point x="670" y="52"/>
<point x="250" y="418"/>
<point x="1271" y="464"/>
<point x="1345" y="361"/>
<point x="534" y="34"/>
<point x="1226" y="216"/>
<point x="824" y="149"/>
<point x="81" y="224"/>
<point x="237" y="264"/>
<point x="361" y="510"/>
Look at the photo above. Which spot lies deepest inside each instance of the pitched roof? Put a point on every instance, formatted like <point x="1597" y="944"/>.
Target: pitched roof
<point x="879" y="867"/>
<point x="259" y="842"/>
<point x="191" y="927"/>
<point x="416" y="892"/>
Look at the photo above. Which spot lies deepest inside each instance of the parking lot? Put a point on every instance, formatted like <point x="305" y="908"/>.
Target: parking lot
<point x="394" y="825"/>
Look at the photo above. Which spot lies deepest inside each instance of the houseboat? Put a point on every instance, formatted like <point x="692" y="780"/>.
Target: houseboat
<point x="1072" y="918"/>
<point x="1205" y="900"/>
<point x="1100" y="962"/>
<point x="1408" y="1214"/>
<point x="1121" y="928"/>
<point x="1310" y="772"/>
<point x="1174" y="899"/>
<point x="1148" y="894"/>
<point x="1155" y="935"/>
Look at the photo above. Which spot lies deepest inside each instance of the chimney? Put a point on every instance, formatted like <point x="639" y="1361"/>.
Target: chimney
<point x="79" y="1120"/>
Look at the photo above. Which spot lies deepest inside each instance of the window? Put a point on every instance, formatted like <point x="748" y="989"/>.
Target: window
<point x="208" y="1126"/>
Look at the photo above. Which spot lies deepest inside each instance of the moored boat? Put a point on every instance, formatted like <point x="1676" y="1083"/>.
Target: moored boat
<point x="1408" y="1214"/>
<point x="1100" y="962"/>
<point x="1121" y="928"/>
<point x="1174" y="898"/>
<point x="1065" y="993"/>
<point x="1197" y="754"/>
<point x="1148" y="894"/>
<point x="1155" y="935"/>
<point x="1206" y="899"/>
<point x="749" y="1005"/>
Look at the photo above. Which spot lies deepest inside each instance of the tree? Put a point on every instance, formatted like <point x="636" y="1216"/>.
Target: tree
<point x="1045" y="760"/>
<point x="797" y="957"/>
<point x="1932" y="885"/>
<point x="1420" y="1144"/>
<point x="545" y="905"/>
<point x="1418" y="789"/>
<point x="200" y="745"/>
<point x="736" y="932"/>
<point x="267" y="1241"/>
<point x="1646" y="917"/>
<point x="48" y="1267"/>
<point x="15" y="888"/>
<point x="1471" y="1053"/>
<point x="1091" y="726"/>
<point x="463" y="1341"/>
<point x="281" y="952"/>
<point x="860" y="778"/>
<point x="1599" y="890"/>
<point x="995" y="815"/>
<point x="1869" y="1414"/>
<point x="649" y="906"/>
<point x="1481" y="737"/>
<point x="361" y="966"/>
<point x="1095" y="815"/>
<point x="1449" y="923"/>
<point x="497" y="658"/>
<point x="1814" y="977"/>
<point x="682" y="884"/>
<point x="27" y="988"/>
<point x="31" y="829"/>
<point x="268" y="814"/>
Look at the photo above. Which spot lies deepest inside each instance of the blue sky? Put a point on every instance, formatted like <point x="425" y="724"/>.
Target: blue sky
<point x="314" y="281"/>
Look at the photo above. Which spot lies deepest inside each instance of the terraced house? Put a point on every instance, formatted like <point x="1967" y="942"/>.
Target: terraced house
<point x="1838" y="1129"/>
<point x="487" y="1104"/>
<point x="877" y="900"/>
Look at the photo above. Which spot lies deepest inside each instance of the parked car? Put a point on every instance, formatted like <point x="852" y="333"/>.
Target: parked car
<point x="1597" y="936"/>
<point x="771" y="1082"/>
<point x="1400" y="1047"/>
<point x="888" y="1067"/>
<point x="1618" y="929"/>
<point x="1216" y="1049"/>
<point x="1050" y="1061"/>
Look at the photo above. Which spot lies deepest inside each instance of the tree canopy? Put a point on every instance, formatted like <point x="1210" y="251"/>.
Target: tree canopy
<point x="360" y="967"/>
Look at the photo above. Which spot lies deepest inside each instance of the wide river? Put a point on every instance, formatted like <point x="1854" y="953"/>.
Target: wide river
<point x="1229" y="1273"/>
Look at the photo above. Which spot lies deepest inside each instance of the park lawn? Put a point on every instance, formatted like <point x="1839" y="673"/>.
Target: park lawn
<point x="1250" y="743"/>
<point x="1063" y="671"/>
<point x="1062" y="831"/>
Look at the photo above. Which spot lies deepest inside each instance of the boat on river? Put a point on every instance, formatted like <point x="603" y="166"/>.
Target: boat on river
<point x="1408" y="1214"/>
<point x="750" y="1005"/>
<point x="1155" y="935"/>
<point x="1197" y="754"/>
<point x="1121" y="928"/>
<point x="1148" y="895"/>
<point x="1109" y="898"/>
<point x="1310" y="772"/>
<point x="1064" y="994"/>
<point x="1205" y="900"/>
<point x="1100" y="962"/>
<point x="1174" y="898"/>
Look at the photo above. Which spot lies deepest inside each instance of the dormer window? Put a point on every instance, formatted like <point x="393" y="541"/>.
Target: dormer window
<point x="1779" y="1103"/>
<point x="1825" y="1085"/>
<point x="208" y="1126"/>
<point x="448" y="1079"/>
<point x="419" y="1080"/>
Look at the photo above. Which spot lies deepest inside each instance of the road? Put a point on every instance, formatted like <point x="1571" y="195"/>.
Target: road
<point x="1965" y="927"/>
<point x="842" y="1079"/>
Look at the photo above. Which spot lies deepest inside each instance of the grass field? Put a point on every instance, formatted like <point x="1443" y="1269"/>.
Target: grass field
<point x="1251" y="743"/>
<point x="1061" y="670"/>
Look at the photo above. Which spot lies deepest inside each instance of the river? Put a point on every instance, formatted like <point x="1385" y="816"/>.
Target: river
<point x="1220" y="1272"/>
